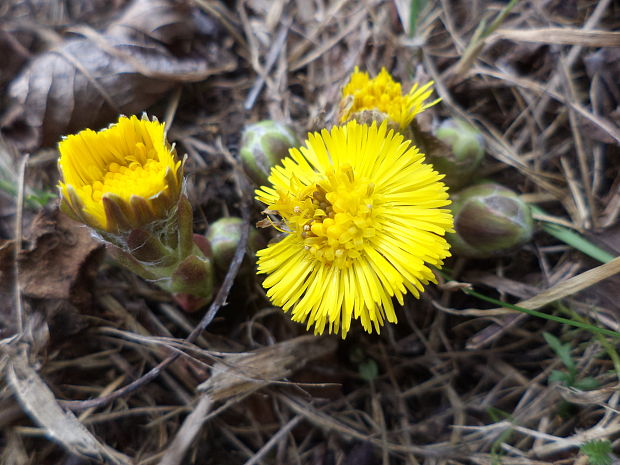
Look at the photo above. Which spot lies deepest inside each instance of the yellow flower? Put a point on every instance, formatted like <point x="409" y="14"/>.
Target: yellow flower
<point x="120" y="178"/>
<point x="383" y="94"/>
<point x="362" y="221"/>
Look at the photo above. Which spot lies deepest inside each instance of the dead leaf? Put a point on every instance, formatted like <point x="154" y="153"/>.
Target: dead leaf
<point x="192" y="425"/>
<point x="14" y="50"/>
<point x="63" y="427"/>
<point x="89" y="81"/>
<point x="578" y="397"/>
<point x="240" y="374"/>
<point x="61" y="261"/>
<point x="57" y="267"/>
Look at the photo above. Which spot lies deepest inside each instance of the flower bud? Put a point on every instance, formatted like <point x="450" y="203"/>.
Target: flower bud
<point x="465" y="149"/>
<point x="490" y="220"/>
<point x="365" y="99"/>
<point x="263" y="145"/>
<point x="224" y="235"/>
<point x="126" y="183"/>
<point x="370" y="116"/>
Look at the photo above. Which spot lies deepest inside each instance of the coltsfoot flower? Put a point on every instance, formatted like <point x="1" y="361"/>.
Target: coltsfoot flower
<point x="362" y="221"/>
<point x="120" y="178"/>
<point x="365" y="99"/>
<point x="126" y="183"/>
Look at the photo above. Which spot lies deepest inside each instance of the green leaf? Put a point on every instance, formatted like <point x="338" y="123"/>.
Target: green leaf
<point x="368" y="369"/>
<point x="497" y="414"/>
<point x="598" y="452"/>
<point x="562" y="377"/>
<point x="562" y="350"/>
<point x="586" y="384"/>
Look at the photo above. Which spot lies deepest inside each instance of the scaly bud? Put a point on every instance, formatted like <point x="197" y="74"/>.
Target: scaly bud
<point x="465" y="151"/>
<point x="490" y="220"/>
<point x="224" y="235"/>
<point x="263" y="145"/>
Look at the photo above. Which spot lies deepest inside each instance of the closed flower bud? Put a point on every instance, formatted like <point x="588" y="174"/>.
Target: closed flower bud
<point x="263" y="145"/>
<point x="465" y="151"/>
<point x="490" y="220"/>
<point x="224" y="236"/>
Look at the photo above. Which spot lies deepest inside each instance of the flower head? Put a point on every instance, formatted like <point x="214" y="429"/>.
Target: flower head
<point x="362" y="221"/>
<point x="383" y="94"/>
<point x="120" y="178"/>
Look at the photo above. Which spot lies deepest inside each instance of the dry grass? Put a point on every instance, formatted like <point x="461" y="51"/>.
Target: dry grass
<point x="455" y="381"/>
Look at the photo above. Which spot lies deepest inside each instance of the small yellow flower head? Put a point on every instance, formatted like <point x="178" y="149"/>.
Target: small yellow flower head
<point x="384" y="95"/>
<point x="120" y="178"/>
<point x="362" y="219"/>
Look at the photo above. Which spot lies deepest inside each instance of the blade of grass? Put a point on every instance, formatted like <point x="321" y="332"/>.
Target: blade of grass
<point x="414" y="11"/>
<point x="572" y="238"/>
<point x="555" y="294"/>
<point x="609" y="348"/>
<point x="546" y="316"/>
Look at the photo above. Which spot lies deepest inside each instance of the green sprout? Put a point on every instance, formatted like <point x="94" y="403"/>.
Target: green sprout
<point x="34" y="198"/>
<point x="497" y="452"/>
<point x="598" y="452"/>
<point x="568" y="377"/>
<point x="366" y="366"/>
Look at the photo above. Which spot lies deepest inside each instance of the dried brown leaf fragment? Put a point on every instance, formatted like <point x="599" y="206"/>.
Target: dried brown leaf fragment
<point x="56" y="268"/>
<point x="88" y="81"/>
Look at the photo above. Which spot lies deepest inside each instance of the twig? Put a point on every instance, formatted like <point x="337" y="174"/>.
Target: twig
<point x="272" y="56"/>
<point x="273" y="440"/>
<point x="478" y="41"/>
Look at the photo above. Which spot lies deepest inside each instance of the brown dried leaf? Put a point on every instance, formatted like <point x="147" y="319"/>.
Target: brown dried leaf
<point x="39" y="402"/>
<point x="57" y="267"/>
<point x="243" y="373"/>
<point x="88" y="81"/>
<point x="15" y="53"/>
<point x="61" y="260"/>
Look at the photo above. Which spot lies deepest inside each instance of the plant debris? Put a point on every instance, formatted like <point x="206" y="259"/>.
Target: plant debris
<point x="100" y="366"/>
<point x="89" y="80"/>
